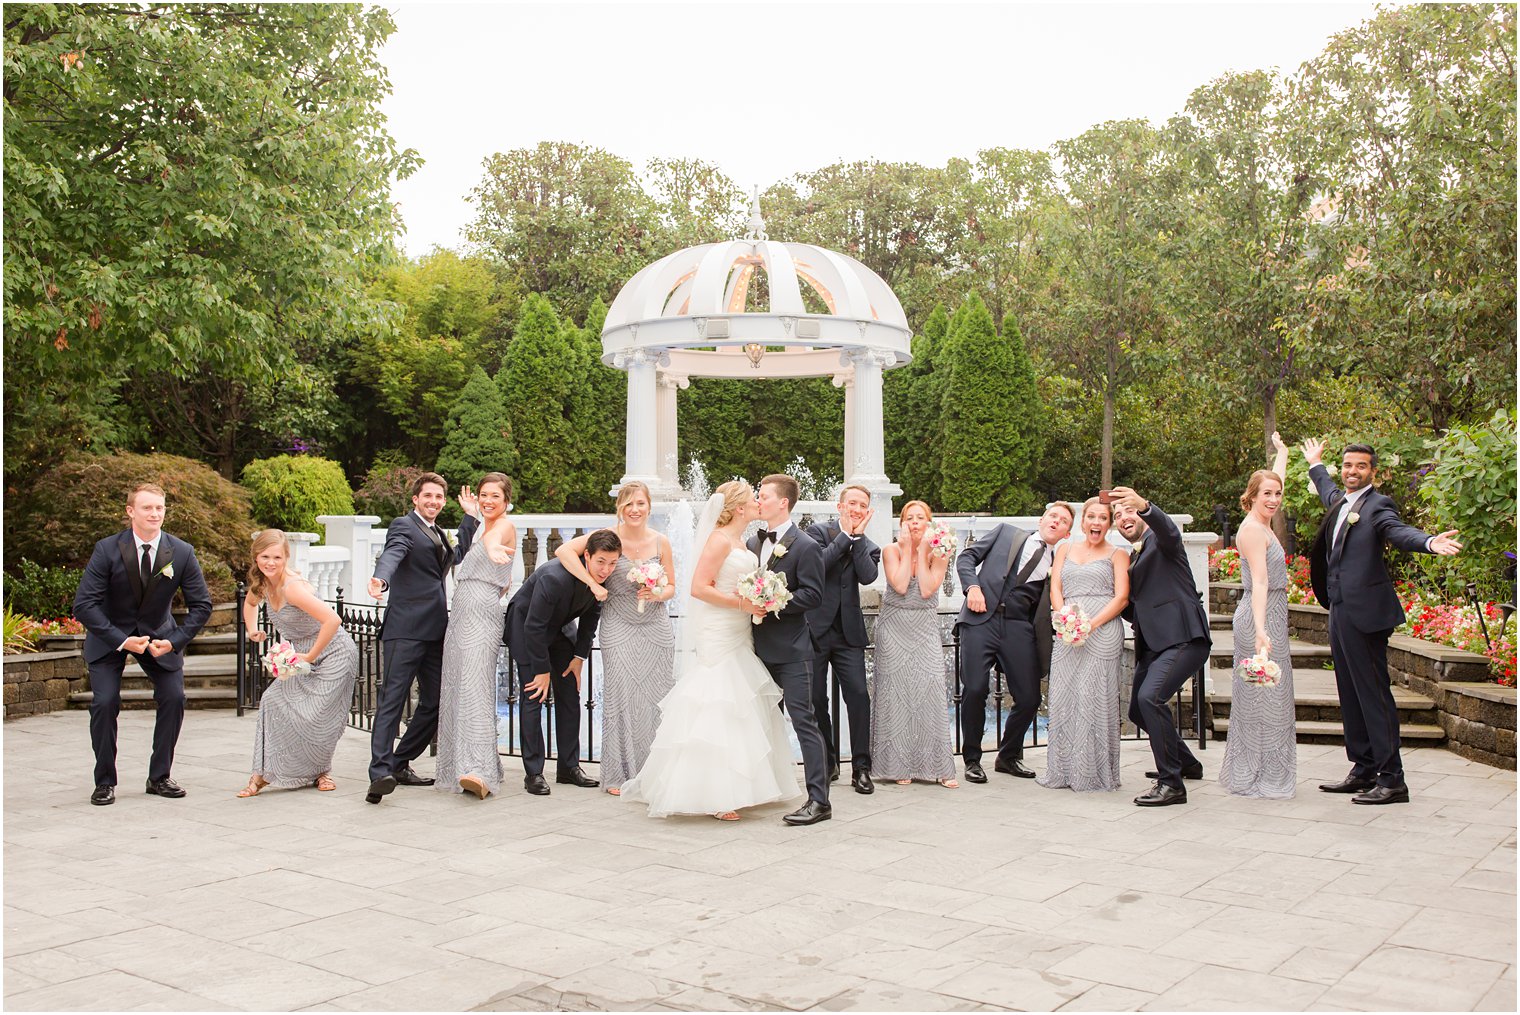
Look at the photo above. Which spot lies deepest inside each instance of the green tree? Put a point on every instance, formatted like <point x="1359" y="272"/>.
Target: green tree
<point x="1005" y="205"/>
<point x="697" y="203"/>
<point x="1105" y="233"/>
<point x="537" y="381"/>
<point x="1242" y="257"/>
<point x="597" y="411"/>
<point x="191" y="191"/>
<point x="1416" y="110"/>
<point x="478" y="435"/>
<point x="912" y="400"/>
<point x="568" y="222"/>
<point x="993" y="426"/>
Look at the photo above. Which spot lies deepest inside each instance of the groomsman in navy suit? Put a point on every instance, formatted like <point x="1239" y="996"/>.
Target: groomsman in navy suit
<point x="1351" y="581"/>
<point x="850" y="560"/>
<point x="124" y="602"/>
<point x="410" y="575"/>
<point x="1005" y="577"/>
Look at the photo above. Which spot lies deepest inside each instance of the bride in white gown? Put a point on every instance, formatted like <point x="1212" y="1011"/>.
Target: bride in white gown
<point x="722" y="742"/>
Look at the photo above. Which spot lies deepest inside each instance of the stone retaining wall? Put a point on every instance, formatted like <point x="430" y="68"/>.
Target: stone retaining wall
<point x="38" y="682"/>
<point x="1477" y="714"/>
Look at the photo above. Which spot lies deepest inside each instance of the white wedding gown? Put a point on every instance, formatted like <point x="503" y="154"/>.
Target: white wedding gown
<point x="722" y="742"/>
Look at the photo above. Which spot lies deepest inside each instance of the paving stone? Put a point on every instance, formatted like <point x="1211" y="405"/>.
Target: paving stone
<point x="985" y="898"/>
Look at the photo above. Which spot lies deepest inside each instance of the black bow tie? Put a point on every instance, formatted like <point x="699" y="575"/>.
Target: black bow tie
<point x="767" y="535"/>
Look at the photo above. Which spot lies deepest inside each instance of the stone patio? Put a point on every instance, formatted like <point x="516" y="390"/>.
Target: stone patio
<point x="1004" y="896"/>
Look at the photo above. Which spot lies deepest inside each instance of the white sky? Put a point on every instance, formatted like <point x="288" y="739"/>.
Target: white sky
<point x="769" y="89"/>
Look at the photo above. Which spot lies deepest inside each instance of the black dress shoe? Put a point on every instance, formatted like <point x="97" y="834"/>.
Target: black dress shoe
<point x="1383" y="795"/>
<point x="406" y="777"/>
<point x="1162" y="795"/>
<point x="1014" y="767"/>
<point x="103" y="795"/>
<point x="576" y="777"/>
<point x="165" y="787"/>
<point x="379" y="788"/>
<point x="536" y="784"/>
<point x="810" y="813"/>
<point x="861" y="780"/>
<point x="974" y="772"/>
<point x="1350" y="784"/>
<point x="1195" y="773"/>
<point x="834" y="772"/>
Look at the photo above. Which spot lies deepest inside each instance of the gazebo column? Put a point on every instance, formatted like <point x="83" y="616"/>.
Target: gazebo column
<point x="865" y="457"/>
<point x="667" y="465"/>
<point x="642" y="435"/>
<point x="846" y="380"/>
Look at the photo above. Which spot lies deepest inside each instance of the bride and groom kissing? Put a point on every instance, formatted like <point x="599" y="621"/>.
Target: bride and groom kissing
<point x="722" y="742"/>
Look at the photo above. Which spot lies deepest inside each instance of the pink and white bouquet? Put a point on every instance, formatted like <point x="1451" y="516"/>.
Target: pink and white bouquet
<point x="1071" y="624"/>
<point x="941" y="540"/>
<point x="283" y="662"/>
<point x="764" y="588"/>
<point x="649" y="575"/>
<point x="1260" y="670"/>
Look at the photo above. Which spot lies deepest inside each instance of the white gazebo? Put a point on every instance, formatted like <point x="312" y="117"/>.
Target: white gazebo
<point x="689" y="315"/>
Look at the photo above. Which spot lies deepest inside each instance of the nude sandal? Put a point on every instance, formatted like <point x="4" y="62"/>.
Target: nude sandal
<point x="473" y="784"/>
<point x="252" y="789"/>
<point x="727" y="816"/>
<point x="325" y="783"/>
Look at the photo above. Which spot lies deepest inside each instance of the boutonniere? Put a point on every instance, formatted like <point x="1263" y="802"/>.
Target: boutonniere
<point x="1352" y="519"/>
<point x="779" y="551"/>
<point x="167" y="571"/>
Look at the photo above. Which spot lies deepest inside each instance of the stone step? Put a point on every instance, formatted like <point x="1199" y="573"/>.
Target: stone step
<point x="1315" y="698"/>
<point x="139" y="698"/>
<point x="1221" y="621"/>
<point x="1310" y="731"/>
<point x="202" y="644"/>
<point x="1305" y="654"/>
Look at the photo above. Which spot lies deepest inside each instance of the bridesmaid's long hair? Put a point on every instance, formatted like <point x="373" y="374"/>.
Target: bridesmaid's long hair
<point x="625" y="494"/>
<point x="263" y="540"/>
<point x="1253" y="487"/>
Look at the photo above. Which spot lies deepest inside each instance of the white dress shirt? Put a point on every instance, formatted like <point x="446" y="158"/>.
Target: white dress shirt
<point x="1347" y="506"/>
<point x="769" y="548"/>
<point x="1031" y="547"/>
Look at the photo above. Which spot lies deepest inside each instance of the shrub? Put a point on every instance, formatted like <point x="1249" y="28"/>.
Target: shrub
<point x="82" y="500"/>
<point x="18" y="632"/>
<point x="387" y="489"/>
<point x="290" y="491"/>
<point x="1471" y="488"/>
<point x="36" y="591"/>
<point x="478" y="437"/>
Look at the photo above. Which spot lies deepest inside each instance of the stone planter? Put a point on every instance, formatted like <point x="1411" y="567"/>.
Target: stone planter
<point x="38" y="682"/>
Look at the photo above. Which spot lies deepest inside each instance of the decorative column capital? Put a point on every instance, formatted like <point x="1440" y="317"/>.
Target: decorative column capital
<point x="860" y="356"/>
<point x="844" y="379"/>
<point x="627" y="359"/>
<point x="679" y="382"/>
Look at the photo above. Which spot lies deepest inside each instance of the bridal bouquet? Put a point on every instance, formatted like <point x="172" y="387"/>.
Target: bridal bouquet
<point x="1260" y="670"/>
<point x="281" y="661"/>
<point x="941" y="540"/>
<point x="650" y="576"/>
<point x="1071" y="624"/>
<point x="764" y="588"/>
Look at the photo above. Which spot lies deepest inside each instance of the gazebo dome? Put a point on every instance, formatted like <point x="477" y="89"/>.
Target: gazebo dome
<point x="696" y="298"/>
<point x="698" y="313"/>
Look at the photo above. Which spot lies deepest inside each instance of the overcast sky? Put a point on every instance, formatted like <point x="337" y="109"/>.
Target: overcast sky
<point x="766" y="90"/>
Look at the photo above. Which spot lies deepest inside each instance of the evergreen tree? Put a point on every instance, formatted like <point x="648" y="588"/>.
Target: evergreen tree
<point x="597" y="411"/>
<point x="478" y="435"/>
<point x="992" y="425"/>
<point x="536" y="379"/>
<point x="911" y="398"/>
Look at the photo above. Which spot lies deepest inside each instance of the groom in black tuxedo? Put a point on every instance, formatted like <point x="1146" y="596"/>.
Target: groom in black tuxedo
<point x="410" y="573"/>
<point x="549" y="628"/>
<point x="1005" y="577"/>
<point x="1351" y="581"/>
<point x="850" y="560"/>
<point x="784" y="641"/>
<point x="124" y="602"/>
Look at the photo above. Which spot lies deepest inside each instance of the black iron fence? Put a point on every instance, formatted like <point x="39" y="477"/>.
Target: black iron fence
<point x="362" y="623"/>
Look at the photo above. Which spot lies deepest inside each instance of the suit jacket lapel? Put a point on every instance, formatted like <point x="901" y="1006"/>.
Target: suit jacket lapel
<point x="164" y="558"/>
<point x="128" y="545"/>
<point x="1014" y="548"/>
<point x="1338" y="535"/>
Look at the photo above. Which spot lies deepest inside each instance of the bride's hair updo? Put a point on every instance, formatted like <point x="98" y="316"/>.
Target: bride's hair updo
<point x="736" y="493"/>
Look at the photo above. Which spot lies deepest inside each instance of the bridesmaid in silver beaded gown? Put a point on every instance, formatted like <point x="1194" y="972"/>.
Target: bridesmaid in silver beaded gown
<point x="1261" y="751"/>
<point x="468" y="756"/>
<point x="1083" y="700"/>
<point x="638" y="648"/>
<point x="910" y="707"/>
<point x="301" y="717"/>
